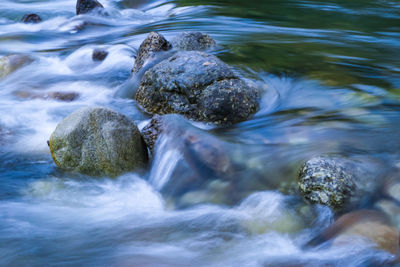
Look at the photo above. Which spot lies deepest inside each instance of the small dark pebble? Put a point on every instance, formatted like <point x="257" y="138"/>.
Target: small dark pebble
<point x="31" y="18"/>
<point x="85" y="6"/>
<point x="99" y="55"/>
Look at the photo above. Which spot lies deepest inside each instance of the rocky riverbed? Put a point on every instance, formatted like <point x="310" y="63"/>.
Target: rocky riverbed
<point x="190" y="133"/>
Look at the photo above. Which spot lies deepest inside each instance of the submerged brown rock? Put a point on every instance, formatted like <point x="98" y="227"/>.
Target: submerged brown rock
<point x="368" y="224"/>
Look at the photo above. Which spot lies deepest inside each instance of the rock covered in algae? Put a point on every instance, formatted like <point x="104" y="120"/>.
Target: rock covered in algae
<point x="193" y="41"/>
<point x="199" y="86"/>
<point x="98" y="141"/>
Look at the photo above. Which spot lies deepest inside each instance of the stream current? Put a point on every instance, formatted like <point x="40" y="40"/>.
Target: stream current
<point x="330" y="76"/>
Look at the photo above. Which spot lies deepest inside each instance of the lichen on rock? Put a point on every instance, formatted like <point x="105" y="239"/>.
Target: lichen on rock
<point x="98" y="141"/>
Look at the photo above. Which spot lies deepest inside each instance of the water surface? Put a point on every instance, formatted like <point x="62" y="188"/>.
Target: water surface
<point x="330" y="76"/>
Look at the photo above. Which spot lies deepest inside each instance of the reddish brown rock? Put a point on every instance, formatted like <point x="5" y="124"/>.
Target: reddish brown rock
<point x="369" y="224"/>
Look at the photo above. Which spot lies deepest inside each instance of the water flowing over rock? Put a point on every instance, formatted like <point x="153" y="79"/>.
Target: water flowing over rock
<point x="11" y="63"/>
<point x="154" y="43"/>
<point x="193" y="41"/>
<point x="199" y="86"/>
<point x="337" y="182"/>
<point x="60" y="96"/>
<point x="98" y="141"/>
<point x="31" y="18"/>
<point x="204" y="152"/>
<point x="369" y="225"/>
<point x="86" y="6"/>
<point x="205" y="155"/>
<point x="391" y="187"/>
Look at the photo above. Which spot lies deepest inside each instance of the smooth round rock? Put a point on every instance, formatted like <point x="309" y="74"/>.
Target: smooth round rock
<point x="31" y="18"/>
<point x="340" y="183"/>
<point x="98" y="141"/>
<point x="193" y="41"/>
<point x="326" y="181"/>
<point x="199" y="86"/>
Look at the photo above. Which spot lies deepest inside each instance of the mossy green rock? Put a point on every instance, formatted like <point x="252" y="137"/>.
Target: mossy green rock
<point x="98" y="141"/>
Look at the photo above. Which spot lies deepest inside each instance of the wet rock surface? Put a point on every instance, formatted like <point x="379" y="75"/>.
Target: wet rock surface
<point x="337" y="182"/>
<point x="154" y="43"/>
<point x="391" y="188"/>
<point x="60" y="96"/>
<point x="205" y="166"/>
<point x="31" y="18"/>
<point x="99" y="55"/>
<point x="199" y="86"/>
<point x="11" y="63"/>
<point x="152" y="131"/>
<point x="369" y="225"/>
<point x="203" y="151"/>
<point x="98" y="141"/>
<point x="86" y="6"/>
<point x="193" y="41"/>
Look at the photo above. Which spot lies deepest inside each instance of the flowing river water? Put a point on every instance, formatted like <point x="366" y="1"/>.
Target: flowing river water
<point x="330" y="76"/>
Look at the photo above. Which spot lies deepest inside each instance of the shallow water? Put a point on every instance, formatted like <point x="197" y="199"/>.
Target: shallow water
<point x="330" y="76"/>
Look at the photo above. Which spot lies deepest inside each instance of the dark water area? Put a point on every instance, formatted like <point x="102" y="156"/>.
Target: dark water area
<point x="329" y="74"/>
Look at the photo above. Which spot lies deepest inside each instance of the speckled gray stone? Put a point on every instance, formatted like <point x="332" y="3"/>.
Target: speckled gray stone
<point x="86" y="6"/>
<point x="193" y="41"/>
<point x="199" y="86"/>
<point x="98" y="141"/>
<point x="337" y="182"/>
<point x="154" y="43"/>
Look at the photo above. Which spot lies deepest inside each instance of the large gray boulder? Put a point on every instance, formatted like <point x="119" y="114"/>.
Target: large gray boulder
<point x="154" y="43"/>
<point x="199" y="86"/>
<point x="338" y="182"/>
<point x="193" y="41"/>
<point x="98" y="141"/>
